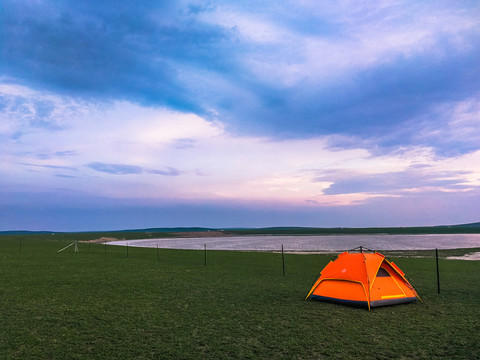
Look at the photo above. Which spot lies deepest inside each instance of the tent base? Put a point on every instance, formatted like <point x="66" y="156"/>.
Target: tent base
<point x="364" y="304"/>
<point x="361" y="304"/>
<point x="387" y="302"/>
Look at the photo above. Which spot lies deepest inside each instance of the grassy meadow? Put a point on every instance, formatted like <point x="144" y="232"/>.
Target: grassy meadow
<point x="106" y="303"/>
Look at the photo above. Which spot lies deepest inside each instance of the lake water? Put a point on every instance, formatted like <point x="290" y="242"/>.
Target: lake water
<point x="313" y="243"/>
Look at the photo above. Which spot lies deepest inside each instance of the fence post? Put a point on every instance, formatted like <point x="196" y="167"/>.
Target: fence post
<point x="438" y="272"/>
<point x="205" y="255"/>
<point x="283" y="261"/>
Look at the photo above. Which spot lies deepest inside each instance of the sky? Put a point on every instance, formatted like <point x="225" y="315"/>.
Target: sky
<point x="122" y="114"/>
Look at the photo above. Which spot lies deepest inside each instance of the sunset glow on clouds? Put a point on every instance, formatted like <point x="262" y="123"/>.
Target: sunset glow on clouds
<point x="223" y="115"/>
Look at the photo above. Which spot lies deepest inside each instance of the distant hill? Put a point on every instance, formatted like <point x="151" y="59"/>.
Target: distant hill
<point x="25" y="232"/>
<point x="146" y="230"/>
<point x="174" y="229"/>
<point x="477" y="224"/>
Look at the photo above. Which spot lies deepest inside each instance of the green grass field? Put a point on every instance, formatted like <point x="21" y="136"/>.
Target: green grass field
<point x="101" y="304"/>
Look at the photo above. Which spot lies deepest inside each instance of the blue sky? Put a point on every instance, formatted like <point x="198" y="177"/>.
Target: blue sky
<point x="121" y="114"/>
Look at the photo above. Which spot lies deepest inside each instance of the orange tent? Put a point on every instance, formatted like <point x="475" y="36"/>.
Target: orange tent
<point x="362" y="279"/>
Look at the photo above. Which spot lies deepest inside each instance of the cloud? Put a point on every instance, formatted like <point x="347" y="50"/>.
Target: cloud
<point x="115" y="169"/>
<point x="340" y="69"/>
<point x="396" y="183"/>
<point x="152" y="146"/>
<point x="167" y="172"/>
<point x="451" y="127"/>
<point x="122" y="50"/>
<point x="126" y="169"/>
<point x="65" y="153"/>
<point x="364" y="71"/>
<point x="26" y="111"/>
<point x="374" y="103"/>
<point x="50" y="166"/>
<point x="65" y="176"/>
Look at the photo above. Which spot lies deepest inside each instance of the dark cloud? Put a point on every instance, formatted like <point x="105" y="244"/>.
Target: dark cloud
<point x="375" y="103"/>
<point x="109" y="49"/>
<point x="145" y="51"/>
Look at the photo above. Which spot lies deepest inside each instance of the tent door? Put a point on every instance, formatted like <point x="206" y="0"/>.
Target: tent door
<point x="385" y="287"/>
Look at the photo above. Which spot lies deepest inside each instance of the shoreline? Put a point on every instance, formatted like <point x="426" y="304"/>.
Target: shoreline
<point x="448" y="253"/>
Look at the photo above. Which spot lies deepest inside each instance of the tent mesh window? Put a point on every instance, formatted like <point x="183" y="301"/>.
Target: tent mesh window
<point x="382" y="273"/>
